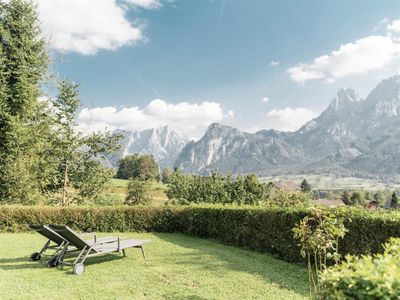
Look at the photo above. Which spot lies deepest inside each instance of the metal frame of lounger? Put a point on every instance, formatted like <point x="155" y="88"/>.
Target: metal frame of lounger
<point x="90" y="250"/>
<point x="59" y="242"/>
<point x="51" y="236"/>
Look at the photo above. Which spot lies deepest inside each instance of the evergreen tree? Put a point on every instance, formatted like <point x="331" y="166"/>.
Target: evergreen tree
<point x="23" y="125"/>
<point x="305" y="186"/>
<point x="346" y="198"/>
<point x="394" y="201"/>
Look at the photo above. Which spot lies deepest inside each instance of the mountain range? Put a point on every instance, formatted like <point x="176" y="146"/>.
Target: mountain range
<point x="163" y="143"/>
<point x="352" y="137"/>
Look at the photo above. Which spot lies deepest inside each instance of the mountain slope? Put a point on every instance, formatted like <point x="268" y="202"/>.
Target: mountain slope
<point x="163" y="143"/>
<point x="352" y="136"/>
<point x="228" y="149"/>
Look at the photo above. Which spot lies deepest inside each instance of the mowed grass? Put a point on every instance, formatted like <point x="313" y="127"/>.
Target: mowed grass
<point x="177" y="267"/>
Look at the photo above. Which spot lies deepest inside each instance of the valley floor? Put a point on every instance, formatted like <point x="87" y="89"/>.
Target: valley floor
<point x="177" y="267"/>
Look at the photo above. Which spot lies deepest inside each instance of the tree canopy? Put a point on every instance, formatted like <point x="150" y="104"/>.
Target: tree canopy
<point x="142" y="167"/>
<point x="41" y="151"/>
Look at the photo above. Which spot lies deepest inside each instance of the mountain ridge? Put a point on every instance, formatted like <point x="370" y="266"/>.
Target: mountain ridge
<point x="352" y="136"/>
<point x="164" y="143"/>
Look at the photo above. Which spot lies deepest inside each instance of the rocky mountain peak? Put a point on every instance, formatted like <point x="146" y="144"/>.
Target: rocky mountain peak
<point x="345" y="98"/>
<point x="218" y="130"/>
<point x="352" y="136"/>
<point x="384" y="100"/>
<point x="164" y="143"/>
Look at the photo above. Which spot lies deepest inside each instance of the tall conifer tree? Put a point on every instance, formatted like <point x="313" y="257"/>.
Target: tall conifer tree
<point x="23" y="66"/>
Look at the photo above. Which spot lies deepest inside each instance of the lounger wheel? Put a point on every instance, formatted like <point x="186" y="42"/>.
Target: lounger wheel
<point x="79" y="269"/>
<point x="35" y="256"/>
<point x="54" y="262"/>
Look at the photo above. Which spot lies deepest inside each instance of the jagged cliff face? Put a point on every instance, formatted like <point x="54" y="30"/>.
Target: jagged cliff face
<point x="230" y="150"/>
<point x="353" y="136"/>
<point x="163" y="143"/>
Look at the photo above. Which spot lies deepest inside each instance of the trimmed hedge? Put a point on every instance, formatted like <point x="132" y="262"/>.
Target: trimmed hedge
<point x="261" y="229"/>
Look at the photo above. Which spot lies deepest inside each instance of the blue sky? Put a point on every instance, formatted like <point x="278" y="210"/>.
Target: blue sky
<point x="217" y="60"/>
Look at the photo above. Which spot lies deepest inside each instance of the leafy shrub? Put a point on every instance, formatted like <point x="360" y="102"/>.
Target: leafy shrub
<point x="262" y="229"/>
<point x="143" y="167"/>
<point x="186" y="189"/>
<point x="166" y="175"/>
<point x="137" y="192"/>
<point x="368" y="277"/>
<point x="288" y="199"/>
<point x="319" y="233"/>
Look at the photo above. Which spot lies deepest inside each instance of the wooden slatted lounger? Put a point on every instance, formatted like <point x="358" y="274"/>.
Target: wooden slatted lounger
<point x="91" y="249"/>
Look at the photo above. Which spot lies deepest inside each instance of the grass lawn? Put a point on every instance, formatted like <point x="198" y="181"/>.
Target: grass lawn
<point x="177" y="267"/>
<point x="117" y="190"/>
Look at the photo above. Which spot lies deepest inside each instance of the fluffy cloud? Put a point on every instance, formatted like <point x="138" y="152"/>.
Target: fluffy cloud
<point x="274" y="63"/>
<point x="86" y="27"/>
<point x="366" y="54"/>
<point x="265" y="99"/>
<point x="190" y="118"/>
<point x="289" y="119"/>
<point x="393" y="26"/>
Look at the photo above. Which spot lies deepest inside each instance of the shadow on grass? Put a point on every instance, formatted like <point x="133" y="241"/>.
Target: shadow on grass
<point x="203" y="253"/>
<point x="20" y="263"/>
<point x="17" y="263"/>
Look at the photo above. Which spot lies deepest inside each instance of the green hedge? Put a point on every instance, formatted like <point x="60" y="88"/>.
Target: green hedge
<point x="262" y="229"/>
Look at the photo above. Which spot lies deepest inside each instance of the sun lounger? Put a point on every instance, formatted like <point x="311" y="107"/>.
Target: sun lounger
<point x="57" y="242"/>
<point x="91" y="249"/>
<point x="51" y="236"/>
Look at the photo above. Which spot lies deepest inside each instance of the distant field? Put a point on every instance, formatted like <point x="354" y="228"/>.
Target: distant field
<point x="117" y="191"/>
<point x="326" y="182"/>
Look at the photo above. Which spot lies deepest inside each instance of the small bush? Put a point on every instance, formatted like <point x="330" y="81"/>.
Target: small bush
<point x="137" y="192"/>
<point x="367" y="278"/>
<point x="288" y="199"/>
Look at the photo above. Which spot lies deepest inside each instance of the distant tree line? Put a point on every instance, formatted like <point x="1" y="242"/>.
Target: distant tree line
<point x="240" y="190"/>
<point x="362" y="198"/>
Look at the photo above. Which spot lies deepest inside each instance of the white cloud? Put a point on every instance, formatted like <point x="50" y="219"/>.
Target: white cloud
<point x="148" y="4"/>
<point x="265" y="99"/>
<point x="366" y="54"/>
<point x="393" y="26"/>
<point x="86" y="27"/>
<point x="359" y="57"/>
<point x="190" y="118"/>
<point x="289" y="119"/>
<point x="274" y="63"/>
